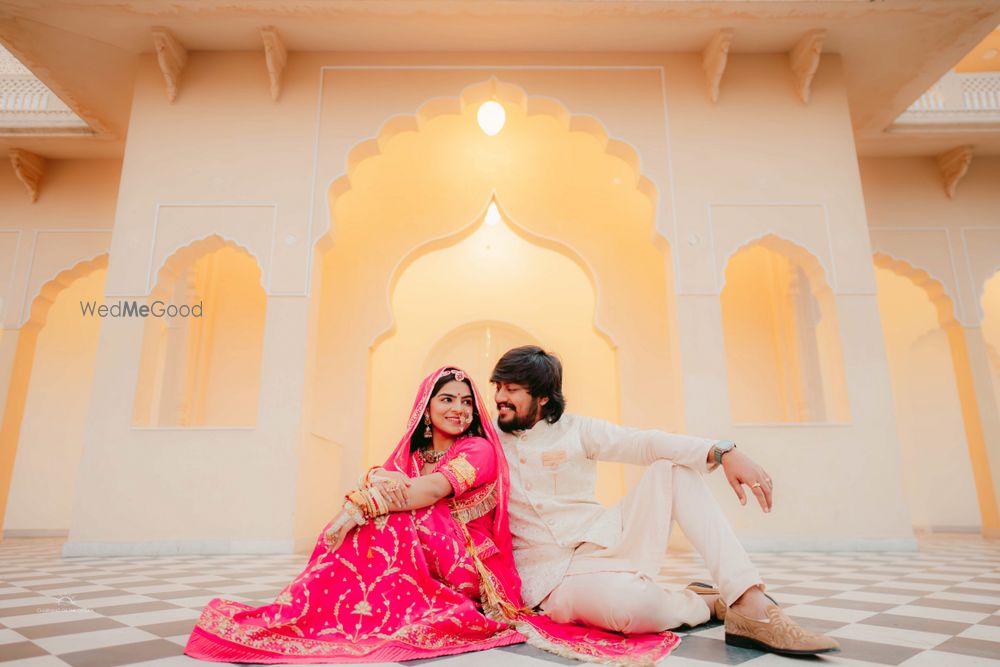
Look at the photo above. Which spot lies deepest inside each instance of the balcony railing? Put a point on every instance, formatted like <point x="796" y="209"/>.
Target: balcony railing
<point x="962" y="100"/>
<point x="27" y="106"/>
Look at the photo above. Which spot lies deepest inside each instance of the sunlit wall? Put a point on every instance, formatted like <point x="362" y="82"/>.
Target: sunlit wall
<point x="205" y="370"/>
<point x="55" y="413"/>
<point x="492" y="275"/>
<point x="783" y="357"/>
<point x="929" y="416"/>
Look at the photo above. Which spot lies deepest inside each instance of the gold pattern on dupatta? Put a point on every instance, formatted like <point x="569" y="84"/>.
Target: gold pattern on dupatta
<point x="463" y="471"/>
<point x="495" y="604"/>
<point x="475" y="505"/>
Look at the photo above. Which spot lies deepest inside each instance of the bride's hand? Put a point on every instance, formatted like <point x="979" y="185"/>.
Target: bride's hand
<point x="335" y="535"/>
<point x="393" y="487"/>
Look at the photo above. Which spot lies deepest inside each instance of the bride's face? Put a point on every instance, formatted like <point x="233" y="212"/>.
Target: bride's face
<point x="450" y="409"/>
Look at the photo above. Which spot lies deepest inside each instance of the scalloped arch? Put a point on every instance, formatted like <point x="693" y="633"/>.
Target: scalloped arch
<point x="50" y="290"/>
<point x="460" y="235"/>
<point x="980" y="293"/>
<point x="798" y="254"/>
<point x="477" y="324"/>
<point x="931" y="286"/>
<point x="181" y="258"/>
<point x="474" y="94"/>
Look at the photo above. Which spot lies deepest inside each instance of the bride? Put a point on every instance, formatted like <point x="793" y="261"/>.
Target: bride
<point x="417" y="564"/>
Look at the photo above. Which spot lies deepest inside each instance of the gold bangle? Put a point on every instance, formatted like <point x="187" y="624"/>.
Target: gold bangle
<point x="370" y="511"/>
<point x="381" y="506"/>
<point x="360" y="501"/>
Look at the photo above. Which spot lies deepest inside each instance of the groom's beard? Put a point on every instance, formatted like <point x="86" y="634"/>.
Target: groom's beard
<point x="518" y="422"/>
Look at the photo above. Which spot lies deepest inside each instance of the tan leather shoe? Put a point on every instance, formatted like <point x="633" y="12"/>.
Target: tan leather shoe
<point x="779" y="634"/>
<point x="718" y="612"/>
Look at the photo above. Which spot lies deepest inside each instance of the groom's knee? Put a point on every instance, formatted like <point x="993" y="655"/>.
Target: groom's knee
<point x="661" y="468"/>
<point x="639" y="606"/>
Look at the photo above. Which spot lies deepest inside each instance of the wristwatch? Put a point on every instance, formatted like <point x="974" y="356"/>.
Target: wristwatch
<point x="721" y="447"/>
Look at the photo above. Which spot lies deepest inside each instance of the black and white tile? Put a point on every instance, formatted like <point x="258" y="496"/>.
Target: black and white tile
<point x="937" y="607"/>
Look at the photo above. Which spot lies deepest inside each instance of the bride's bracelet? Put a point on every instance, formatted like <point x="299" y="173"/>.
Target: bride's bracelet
<point x="365" y="480"/>
<point x="369" y="502"/>
<point x="381" y="506"/>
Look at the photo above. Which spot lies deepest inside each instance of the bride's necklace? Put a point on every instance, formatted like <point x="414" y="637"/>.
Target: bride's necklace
<point x="431" y="455"/>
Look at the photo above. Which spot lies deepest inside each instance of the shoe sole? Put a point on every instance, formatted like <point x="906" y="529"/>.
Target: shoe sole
<point x="747" y="642"/>
<point x="702" y="588"/>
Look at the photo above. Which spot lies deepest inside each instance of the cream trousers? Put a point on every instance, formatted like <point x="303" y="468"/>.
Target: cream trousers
<point x="613" y="587"/>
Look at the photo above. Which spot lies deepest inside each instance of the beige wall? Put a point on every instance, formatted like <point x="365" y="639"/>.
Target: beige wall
<point x="935" y="454"/>
<point x="51" y="439"/>
<point x="760" y="162"/>
<point x="359" y="192"/>
<point x="949" y="249"/>
<point x="47" y="366"/>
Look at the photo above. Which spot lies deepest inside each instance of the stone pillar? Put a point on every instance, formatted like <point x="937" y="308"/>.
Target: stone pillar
<point x="17" y="355"/>
<point x="983" y="428"/>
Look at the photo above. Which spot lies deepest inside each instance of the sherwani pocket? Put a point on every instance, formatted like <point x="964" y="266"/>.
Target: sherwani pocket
<point x="553" y="461"/>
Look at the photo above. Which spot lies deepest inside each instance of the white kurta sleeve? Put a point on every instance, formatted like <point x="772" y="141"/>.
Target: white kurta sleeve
<point x="604" y="441"/>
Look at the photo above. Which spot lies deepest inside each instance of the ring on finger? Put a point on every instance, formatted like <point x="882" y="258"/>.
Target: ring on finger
<point x="755" y="485"/>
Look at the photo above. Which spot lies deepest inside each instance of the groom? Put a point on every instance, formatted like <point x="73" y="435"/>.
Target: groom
<point x="584" y="563"/>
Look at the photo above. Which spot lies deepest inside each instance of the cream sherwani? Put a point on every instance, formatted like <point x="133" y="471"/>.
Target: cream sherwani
<point x="584" y="562"/>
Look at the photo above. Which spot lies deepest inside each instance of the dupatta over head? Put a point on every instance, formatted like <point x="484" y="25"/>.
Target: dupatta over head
<point x="401" y="458"/>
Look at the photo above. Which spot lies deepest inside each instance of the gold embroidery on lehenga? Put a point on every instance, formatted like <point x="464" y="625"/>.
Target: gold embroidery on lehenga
<point x="219" y="623"/>
<point x="348" y="640"/>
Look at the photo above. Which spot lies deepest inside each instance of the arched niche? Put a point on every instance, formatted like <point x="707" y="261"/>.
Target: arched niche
<point x="425" y="180"/>
<point x="478" y="344"/>
<point x="202" y="369"/>
<point x="934" y="395"/>
<point x="990" y="303"/>
<point x="783" y="354"/>
<point x="443" y="302"/>
<point x="41" y="439"/>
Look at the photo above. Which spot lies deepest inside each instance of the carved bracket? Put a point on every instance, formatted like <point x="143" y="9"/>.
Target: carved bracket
<point x="172" y="57"/>
<point x="953" y="165"/>
<point x="713" y="61"/>
<point x="804" y="59"/>
<point x="29" y="169"/>
<point x="276" y="56"/>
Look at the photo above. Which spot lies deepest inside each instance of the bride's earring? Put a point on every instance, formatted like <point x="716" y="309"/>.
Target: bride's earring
<point x="427" y="427"/>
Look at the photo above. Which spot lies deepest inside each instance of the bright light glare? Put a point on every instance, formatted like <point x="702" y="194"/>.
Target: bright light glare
<point x="491" y="117"/>
<point x="492" y="214"/>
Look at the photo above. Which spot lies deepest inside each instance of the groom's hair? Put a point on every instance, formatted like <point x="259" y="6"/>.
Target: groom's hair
<point x="539" y="371"/>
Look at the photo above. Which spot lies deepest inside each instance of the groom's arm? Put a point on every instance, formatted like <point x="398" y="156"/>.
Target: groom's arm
<point x="604" y="441"/>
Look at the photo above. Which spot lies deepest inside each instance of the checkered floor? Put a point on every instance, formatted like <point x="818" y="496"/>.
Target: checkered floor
<point x="939" y="607"/>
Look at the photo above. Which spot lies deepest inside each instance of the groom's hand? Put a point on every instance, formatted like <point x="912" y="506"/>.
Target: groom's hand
<point x="741" y="470"/>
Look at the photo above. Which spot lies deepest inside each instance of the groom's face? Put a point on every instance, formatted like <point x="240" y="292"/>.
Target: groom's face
<point x="517" y="409"/>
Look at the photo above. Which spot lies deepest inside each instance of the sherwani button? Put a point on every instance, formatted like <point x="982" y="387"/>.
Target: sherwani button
<point x="523" y="460"/>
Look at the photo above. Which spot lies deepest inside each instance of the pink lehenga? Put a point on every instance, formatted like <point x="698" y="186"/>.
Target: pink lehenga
<point x="413" y="584"/>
